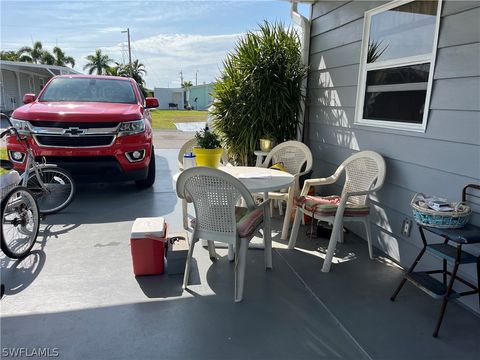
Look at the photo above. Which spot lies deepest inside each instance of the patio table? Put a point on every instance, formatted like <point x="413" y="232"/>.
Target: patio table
<point x="262" y="180"/>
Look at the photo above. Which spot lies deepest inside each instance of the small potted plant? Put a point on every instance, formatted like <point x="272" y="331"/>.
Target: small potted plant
<point x="209" y="151"/>
<point x="266" y="143"/>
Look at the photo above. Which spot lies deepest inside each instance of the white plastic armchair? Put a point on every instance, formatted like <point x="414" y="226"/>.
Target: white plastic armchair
<point x="297" y="159"/>
<point x="365" y="174"/>
<point x="215" y="194"/>
<point x="187" y="147"/>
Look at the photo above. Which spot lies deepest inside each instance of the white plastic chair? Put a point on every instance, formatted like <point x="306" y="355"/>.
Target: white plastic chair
<point x="297" y="159"/>
<point x="365" y="174"/>
<point x="215" y="194"/>
<point x="187" y="148"/>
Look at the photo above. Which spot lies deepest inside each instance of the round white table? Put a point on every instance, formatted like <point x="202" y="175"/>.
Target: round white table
<point x="258" y="180"/>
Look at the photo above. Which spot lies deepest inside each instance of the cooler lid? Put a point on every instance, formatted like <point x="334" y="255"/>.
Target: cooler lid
<point x="151" y="227"/>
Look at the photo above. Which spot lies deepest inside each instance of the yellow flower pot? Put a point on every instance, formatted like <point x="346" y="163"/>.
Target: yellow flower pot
<point x="266" y="144"/>
<point x="208" y="157"/>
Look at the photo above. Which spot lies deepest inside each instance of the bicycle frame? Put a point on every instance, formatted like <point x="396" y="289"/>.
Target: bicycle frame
<point x="30" y="158"/>
<point x="32" y="164"/>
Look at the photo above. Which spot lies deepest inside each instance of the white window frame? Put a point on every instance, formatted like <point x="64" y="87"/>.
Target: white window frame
<point x="405" y="61"/>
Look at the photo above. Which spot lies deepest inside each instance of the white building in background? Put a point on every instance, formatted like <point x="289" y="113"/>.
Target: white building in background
<point x="169" y="98"/>
<point x="199" y="97"/>
<point x="20" y="78"/>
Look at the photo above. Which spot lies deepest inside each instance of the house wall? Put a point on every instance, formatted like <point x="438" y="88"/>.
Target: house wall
<point x="169" y="95"/>
<point x="202" y="93"/>
<point x="9" y="99"/>
<point x="15" y="84"/>
<point x="440" y="161"/>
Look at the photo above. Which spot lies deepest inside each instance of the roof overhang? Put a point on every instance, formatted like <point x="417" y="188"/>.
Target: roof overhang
<point x="36" y="69"/>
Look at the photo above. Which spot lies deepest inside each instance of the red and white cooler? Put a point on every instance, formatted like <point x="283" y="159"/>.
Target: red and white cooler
<point x="148" y="245"/>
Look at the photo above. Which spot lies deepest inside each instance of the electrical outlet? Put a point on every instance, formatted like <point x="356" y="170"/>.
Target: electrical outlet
<point x="406" y="227"/>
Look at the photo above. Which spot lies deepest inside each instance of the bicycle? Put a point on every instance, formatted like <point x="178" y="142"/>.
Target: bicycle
<point x="20" y="219"/>
<point x="52" y="186"/>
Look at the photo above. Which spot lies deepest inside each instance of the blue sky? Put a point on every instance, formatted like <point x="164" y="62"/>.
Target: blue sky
<point x="167" y="36"/>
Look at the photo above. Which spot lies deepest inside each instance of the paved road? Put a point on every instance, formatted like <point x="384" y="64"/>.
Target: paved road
<point x="170" y="139"/>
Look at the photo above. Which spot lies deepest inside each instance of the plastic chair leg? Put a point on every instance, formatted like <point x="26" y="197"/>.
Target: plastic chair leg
<point x="240" y="270"/>
<point x="288" y="212"/>
<point x="295" y="228"/>
<point x="188" y="263"/>
<point x="332" y="244"/>
<point x="369" y="237"/>
<point x="231" y="253"/>
<point x="280" y="207"/>
<point x="185" y="213"/>
<point x="211" y="250"/>
<point x="267" y="241"/>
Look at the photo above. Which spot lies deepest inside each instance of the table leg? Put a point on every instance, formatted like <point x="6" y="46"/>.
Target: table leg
<point x="288" y="211"/>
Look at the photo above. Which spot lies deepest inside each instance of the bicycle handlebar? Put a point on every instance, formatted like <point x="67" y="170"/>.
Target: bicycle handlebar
<point x="12" y="130"/>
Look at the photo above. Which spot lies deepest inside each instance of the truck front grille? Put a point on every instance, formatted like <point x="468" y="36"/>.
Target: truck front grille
<point x="80" y="125"/>
<point x="75" y="141"/>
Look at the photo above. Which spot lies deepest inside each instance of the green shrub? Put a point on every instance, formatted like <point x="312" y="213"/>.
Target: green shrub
<point x="259" y="91"/>
<point x="207" y="139"/>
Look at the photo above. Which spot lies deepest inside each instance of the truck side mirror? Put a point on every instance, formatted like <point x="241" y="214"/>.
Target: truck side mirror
<point x="28" y="98"/>
<point x="151" y="102"/>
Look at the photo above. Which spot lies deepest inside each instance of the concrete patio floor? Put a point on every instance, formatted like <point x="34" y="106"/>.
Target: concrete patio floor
<point x="76" y="292"/>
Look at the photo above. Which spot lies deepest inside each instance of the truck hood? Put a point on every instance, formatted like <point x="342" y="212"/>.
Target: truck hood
<point x="78" y="112"/>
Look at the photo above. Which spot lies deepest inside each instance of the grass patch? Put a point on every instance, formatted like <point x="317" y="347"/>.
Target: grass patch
<point x="166" y="119"/>
<point x="3" y="155"/>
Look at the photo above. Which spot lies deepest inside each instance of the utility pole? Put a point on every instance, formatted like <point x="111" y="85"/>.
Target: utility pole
<point x="181" y="78"/>
<point x="196" y="77"/>
<point x="129" y="50"/>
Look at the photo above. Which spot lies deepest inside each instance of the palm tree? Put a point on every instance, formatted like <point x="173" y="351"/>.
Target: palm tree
<point x="186" y="94"/>
<point x="136" y="71"/>
<point x="117" y="70"/>
<point x="61" y="59"/>
<point x="31" y="54"/>
<point x="98" y="62"/>
<point x="9" y="55"/>
<point x="47" y="58"/>
<point x="187" y="85"/>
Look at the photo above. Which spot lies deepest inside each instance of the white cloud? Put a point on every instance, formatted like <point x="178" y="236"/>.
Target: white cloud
<point x="165" y="55"/>
<point x="111" y="29"/>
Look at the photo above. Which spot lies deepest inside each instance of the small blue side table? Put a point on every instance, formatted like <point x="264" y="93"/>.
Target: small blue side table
<point x="450" y="251"/>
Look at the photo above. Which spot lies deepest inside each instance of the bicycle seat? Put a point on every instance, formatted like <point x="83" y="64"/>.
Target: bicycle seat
<point x="6" y="164"/>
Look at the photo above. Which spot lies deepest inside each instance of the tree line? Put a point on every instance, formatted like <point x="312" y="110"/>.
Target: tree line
<point x="98" y="63"/>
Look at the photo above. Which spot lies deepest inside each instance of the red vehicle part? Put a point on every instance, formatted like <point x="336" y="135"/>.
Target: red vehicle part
<point x="100" y="136"/>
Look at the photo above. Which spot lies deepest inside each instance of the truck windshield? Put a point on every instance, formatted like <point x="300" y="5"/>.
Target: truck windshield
<point x="89" y="90"/>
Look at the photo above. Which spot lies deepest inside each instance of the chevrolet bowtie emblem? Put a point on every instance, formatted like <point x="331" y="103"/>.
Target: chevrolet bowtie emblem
<point x="74" y="131"/>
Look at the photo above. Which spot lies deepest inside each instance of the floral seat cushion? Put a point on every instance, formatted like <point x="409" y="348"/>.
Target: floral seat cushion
<point x="328" y="205"/>
<point x="247" y="220"/>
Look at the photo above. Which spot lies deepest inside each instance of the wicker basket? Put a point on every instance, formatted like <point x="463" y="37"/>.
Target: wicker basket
<point x="440" y="219"/>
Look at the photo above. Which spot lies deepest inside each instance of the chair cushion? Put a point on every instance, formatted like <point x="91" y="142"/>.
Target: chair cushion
<point x="247" y="221"/>
<point x="278" y="166"/>
<point x="327" y="206"/>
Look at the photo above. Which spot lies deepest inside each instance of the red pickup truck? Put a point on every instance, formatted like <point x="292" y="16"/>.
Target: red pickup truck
<point x="97" y="127"/>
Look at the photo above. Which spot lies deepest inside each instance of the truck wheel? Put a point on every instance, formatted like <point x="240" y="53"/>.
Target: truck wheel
<point x="150" y="179"/>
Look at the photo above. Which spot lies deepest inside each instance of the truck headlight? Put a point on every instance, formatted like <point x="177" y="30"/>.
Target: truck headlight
<point x="131" y="127"/>
<point x="21" y="126"/>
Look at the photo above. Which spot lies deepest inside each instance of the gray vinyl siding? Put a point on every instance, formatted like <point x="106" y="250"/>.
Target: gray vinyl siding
<point x="440" y="161"/>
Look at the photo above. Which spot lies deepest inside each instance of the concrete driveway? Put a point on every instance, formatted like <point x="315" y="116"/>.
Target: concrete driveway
<point x="76" y="295"/>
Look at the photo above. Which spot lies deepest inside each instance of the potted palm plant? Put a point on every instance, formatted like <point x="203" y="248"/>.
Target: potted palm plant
<point x="208" y="151"/>
<point x="259" y="92"/>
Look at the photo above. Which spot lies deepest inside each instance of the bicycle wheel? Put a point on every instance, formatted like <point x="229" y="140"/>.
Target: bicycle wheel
<point x="58" y="192"/>
<point x="20" y="222"/>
